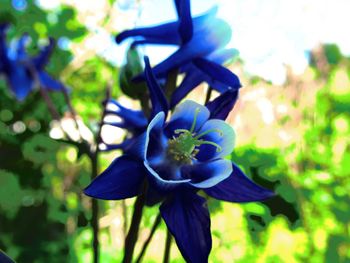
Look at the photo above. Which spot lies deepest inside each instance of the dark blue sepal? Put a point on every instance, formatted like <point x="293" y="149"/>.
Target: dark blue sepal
<point x="49" y="83"/>
<point x="183" y="8"/>
<point x="130" y="119"/>
<point x="42" y="58"/>
<point x="187" y="218"/>
<point x="159" y="102"/>
<point x="218" y="72"/>
<point x="238" y="188"/>
<point x="221" y="106"/>
<point x="122" y="179"/>
<point x="163" y="34"/>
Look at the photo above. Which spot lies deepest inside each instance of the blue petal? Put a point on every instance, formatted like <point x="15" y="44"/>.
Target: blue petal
<point x="120" y="146"/>
<point x="223" y="55"/>
<point x="221" y="106"/>
<point x="20" y="81"/>
<point x="3" y="46"/>
<point x="183" y="117"/>
<point x="192" y="79"/>
<point x="188" y="220"/>
<point x="4" y="258"/>
<point x="218" y="72"/>
<point x="153" y="145"/>
<point x="165" y="177"/>
<point x="122" y="179"/>
<point x="162" y="34"/>
<point x="159" y="102"/>
<point x="184" y="13"/>
<point x="140" y="148"/>
<point x="208" y="174"/>
<point x="129" y="118"/>
<point x="42" y="59"/>
<point x="21" y="47"/>
<point x="225" y="139"/>
<point x="49" y="83"/>
<point x="238" y="188"/>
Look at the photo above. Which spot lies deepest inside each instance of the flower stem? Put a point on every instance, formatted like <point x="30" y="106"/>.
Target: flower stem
<point x="209" y="92"/>
<point x="72" y="111"/>
<point x="94" y="167"/>
<point x="131" y="238"/>
<point x="170" y="84"/>
<point x="95" y="208"/>
<point x="52" y="109"/>
<point x="167" y="247"/>
<point x="148" y="240"/>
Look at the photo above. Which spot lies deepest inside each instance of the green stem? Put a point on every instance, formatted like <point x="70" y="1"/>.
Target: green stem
<point x="148" y="240"/>
<point x="170" y="84"/>
<point x="95" y="208"/>
<point x="167" y="247"/>
<point x="94" y="173"/>
<point x="131" y="238"/>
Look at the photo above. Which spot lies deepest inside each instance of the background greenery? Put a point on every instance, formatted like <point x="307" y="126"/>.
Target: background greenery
<point x="44" y="217"/>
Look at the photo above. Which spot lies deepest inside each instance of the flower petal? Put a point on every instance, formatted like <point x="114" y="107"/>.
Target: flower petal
<point x="218" y="72"/>
<point x="49" y="83"/>
<point x="122" y="179"/>
<point x="4" y="258"/>
<point x="162" y="34"/>
<point x="238" y="188"/>
<point x="224" y="136"/>
<point x="154" y="145"/>
<point x="192" y="79"/>
<point x="3" y="45"/>
<point x="159" y="102"/>
<point x="221" y="106"/>
<point x="42" y="59"/>
<point x="223" y="55"/>
<point x="184" y="115"/>
<point x="20" y="81"/>
<point x="129" y="118"/>
<point x="208" y="174"/>
<point x="141" y="147"/>
<point x="183" y="8"/>
<point x="188" y="220"/>
<point x="21" y="46"/>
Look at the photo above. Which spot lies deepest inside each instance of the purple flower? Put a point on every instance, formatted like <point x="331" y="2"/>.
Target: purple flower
<point x="22" y="71"/>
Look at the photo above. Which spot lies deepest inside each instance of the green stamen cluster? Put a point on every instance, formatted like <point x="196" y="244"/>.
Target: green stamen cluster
<point x="183" y="148"/>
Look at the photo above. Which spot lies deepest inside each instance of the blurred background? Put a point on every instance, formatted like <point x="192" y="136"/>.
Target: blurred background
<point x="292" y="123"/>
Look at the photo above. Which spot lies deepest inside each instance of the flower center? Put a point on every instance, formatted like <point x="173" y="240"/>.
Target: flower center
<point x="184" y="148"/>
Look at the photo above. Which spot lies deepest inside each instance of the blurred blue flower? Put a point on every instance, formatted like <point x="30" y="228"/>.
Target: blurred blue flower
<point x="23" y="72"/>
<point x="200" y="55"/>
<point x="177" y="159"/>
<point x="4" y="258"/>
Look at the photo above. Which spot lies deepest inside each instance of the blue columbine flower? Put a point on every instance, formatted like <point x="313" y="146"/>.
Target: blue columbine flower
<point x="23" y="71"/>
<point x="177" y="159"/>
<point x="200" y="40"/>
